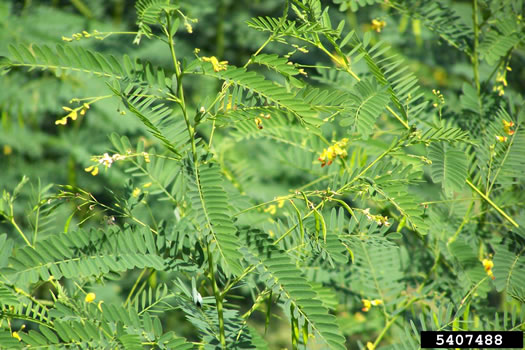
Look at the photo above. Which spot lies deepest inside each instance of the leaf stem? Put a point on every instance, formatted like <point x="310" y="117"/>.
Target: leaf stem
<point x="180" y="90"/>
<point x="494" y="205"/>
<point x="218" y="298"/>
<point x="135" y="286"/>
<point x="392" y="321"/>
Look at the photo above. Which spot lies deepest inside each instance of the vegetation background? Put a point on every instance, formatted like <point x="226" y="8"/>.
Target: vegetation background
<point x="415" y="220"/>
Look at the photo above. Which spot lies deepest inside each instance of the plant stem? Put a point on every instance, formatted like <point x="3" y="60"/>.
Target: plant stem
<point x="238" y="279"/>
<point x="191" y="132"/>
<point x="475" y="58"/>
<point x="180" y="90"/>
<point x="392" y="321"/>
<point x="82" y="8"/>
<point x="13" y="222"/>
<point x="218" y="299"/>
<point x="494" y="205"/>
<point x="466" y="219"/>
<point x="134" y="286"/>
<point x="369" y="166"/>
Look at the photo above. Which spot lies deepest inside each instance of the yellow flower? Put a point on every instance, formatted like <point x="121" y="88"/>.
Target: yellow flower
<point x="272" y="209"/>
<point x="336" y="150"/>
<point x="367" y="304"/>
<point x="258" y="122"/>
<point x="488" y="265"/>
<point x="92" y="169"/>
<point x="377" y="302"/>
<point x="506" y="127"/>
<point x="280" y="202"/>
<point x="370" y="346"/>
<point x="217" y="66"/>
<point x="501" y="79"/>
<point x="501" y="138"/>
<point x="90" y="297"/>
<point x="136" y="192"/>
<point x="72" y="114"/>
<point x="85" y="107"/>
<point x="16" y="335"/>
<point x="378" y="25"/>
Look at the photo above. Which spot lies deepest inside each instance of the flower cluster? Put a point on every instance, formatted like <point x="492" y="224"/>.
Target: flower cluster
<point x="379" y="219"/>
<point x="507" y="127"/>
<point x="217" y="65"/>
<point x="272" y="208"/>
<point x="108" y="160"/>
<point x="488" y="265"/>
<point x="258" y="120"/>
<point x="73" y="113"/>
<point x="337" y="149"/>
<point x="378" y="25"/>
<point x="501" y="79"/>
<point x="367" y="304"/>
<point x="84" y="34"/>
<point x="507" y="130"/>
<point x="440" y="98"/>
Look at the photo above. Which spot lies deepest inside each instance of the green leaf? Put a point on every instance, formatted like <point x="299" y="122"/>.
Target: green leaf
<point x="449" y="166"/>
<point x="210" y="201"/>
<point x="370" y="100"/>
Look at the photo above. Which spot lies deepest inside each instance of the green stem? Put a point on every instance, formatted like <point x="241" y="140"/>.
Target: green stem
<point x="82" y="8"/>
<point x="191" y="132"/>
<point x="180" y="90"/>
<point x="219" y="37"/>
<point x="475" y="58"/>
<point x="392" y="321"/>
<point x="466" y="219"/>
<point x="134" y="286"/>
<point x="355" y="76"/>
<point x="13" y="222"/>
<point x="238" y="279"/>
<point x="368" y="167"/>
<point x="494" y="205"/>
<point x="218" y="299"/>
<point x="507" y="152"/>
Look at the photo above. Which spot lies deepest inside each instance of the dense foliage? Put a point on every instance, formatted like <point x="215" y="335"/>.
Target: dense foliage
<point x="260" y="174"/>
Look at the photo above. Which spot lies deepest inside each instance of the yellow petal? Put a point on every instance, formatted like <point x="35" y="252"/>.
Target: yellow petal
<point x="90" y="297"/>
<point x="16" y="335"/>
<point x="62" y="121"/>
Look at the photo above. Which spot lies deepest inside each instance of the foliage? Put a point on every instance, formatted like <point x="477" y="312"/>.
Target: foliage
<point x="284" y="174"/>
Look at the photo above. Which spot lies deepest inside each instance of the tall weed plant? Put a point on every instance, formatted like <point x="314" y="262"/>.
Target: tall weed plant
<point x="260" y="175"/>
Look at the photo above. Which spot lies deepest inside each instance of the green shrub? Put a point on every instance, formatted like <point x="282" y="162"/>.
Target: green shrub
<point x="316" y="177"/>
